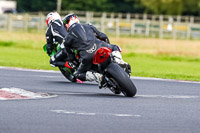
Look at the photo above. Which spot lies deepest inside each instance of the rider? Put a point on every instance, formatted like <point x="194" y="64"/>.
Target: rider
<point x="86" y="39"/>
<point x="55" y="34"/>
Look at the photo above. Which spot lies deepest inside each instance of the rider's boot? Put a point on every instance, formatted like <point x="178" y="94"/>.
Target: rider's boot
<point x="117" y="57"/>
<point x="94" y="76"/>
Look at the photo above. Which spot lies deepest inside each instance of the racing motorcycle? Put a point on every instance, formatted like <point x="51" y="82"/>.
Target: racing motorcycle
<point x="116" y="78"/>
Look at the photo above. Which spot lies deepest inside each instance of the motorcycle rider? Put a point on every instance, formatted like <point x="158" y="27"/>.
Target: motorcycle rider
<point x="55" y="34"/>
<point x="87" y="39"/>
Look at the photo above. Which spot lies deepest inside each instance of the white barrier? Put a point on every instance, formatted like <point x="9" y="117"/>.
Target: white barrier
<point x="116" y="24"/>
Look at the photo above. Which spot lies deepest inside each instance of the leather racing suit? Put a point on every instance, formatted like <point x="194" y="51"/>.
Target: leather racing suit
<point x="55" y="33"/>
<point x="86" y="39"/>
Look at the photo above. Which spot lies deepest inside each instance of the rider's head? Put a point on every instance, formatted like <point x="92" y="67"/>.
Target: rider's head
<point x="52" y="16"/>
<point x="70" y="19"/>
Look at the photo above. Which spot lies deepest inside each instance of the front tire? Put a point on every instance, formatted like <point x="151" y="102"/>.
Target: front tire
<point x="67" y="74"/>
<point x="121" y="77"/>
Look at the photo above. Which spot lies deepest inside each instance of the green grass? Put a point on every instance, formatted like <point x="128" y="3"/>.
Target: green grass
<point x="24" y="58"/>
<point x="164" y="66"/>
<point x="29" y="54"/>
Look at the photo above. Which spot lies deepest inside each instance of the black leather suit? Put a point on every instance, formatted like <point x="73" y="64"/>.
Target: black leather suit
<point x="56" y="34"/>
<point x="86" y="39"/>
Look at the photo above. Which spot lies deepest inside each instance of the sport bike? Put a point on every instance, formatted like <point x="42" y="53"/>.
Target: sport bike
<point x="116" y="78"/>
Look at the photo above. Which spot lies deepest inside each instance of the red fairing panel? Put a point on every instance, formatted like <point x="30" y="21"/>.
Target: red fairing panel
<point x="101" y="55"/>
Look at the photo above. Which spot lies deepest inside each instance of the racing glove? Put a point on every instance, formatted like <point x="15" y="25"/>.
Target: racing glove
<point x="107" y="40"/>
<point x="49" y="49"/>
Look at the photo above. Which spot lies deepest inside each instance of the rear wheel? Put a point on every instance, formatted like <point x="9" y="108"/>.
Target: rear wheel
<point x="116" y="88"/>
<point x="67" y="74"/>
<point x="121" y="77"/>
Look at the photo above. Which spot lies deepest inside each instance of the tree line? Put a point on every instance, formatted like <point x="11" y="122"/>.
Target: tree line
<point x="166" y="7"/>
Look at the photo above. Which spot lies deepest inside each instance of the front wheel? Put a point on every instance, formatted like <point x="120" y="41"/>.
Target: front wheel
<point x="121" y="77"/>
<point x="67" y="74"/>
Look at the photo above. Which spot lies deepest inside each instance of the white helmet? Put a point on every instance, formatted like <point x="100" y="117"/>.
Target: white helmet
<point x="70" y="19"/>
<point x="52" y="16"/>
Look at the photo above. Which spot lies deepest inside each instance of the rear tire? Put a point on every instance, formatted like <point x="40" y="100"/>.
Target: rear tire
<point x="121" y="77"/>
<point x="67" y="75"/>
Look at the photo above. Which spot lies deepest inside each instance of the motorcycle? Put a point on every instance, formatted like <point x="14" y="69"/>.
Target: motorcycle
<point x="66" y="71"/>
<point x="115" y="77"/>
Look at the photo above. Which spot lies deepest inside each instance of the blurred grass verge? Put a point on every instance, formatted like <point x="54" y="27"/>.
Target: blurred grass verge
<point x="164" y="66"/>
<point x="168" y="59"/>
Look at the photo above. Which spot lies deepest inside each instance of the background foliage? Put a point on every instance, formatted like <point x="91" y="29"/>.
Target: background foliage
<point x="171" y="7"/>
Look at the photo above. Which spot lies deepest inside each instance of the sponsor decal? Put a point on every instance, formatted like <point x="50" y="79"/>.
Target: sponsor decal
<point x="92" y="49"/>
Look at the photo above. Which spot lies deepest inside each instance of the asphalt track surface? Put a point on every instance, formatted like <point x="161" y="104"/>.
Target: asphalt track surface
<point x="160" y="106"/>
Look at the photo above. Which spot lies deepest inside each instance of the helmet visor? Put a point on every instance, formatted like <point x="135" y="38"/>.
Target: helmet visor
<point x="67" y="18"/>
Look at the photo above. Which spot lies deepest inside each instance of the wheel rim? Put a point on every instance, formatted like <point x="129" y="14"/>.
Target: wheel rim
<point x="115" y="90"/>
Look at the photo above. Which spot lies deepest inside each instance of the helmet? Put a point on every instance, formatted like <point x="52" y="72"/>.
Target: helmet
<point x="70" y="19"/>
<point x="52" y="16"/>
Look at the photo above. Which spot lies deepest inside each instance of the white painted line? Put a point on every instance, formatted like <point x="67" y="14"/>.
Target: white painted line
<point x="50" y="76"/>
<point x="147" y="96"/>
<point x="127" y="115"/>
<point x="31" y="70"/>
<point x="82" y="113"/>
<point x="168" y="96"/>
<point x="63" y="111"/>
<point x="167" y="80"/>
<point x="92" y="114"/>
<point x="132" y="77"/>
<point x="42" y="76"/>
